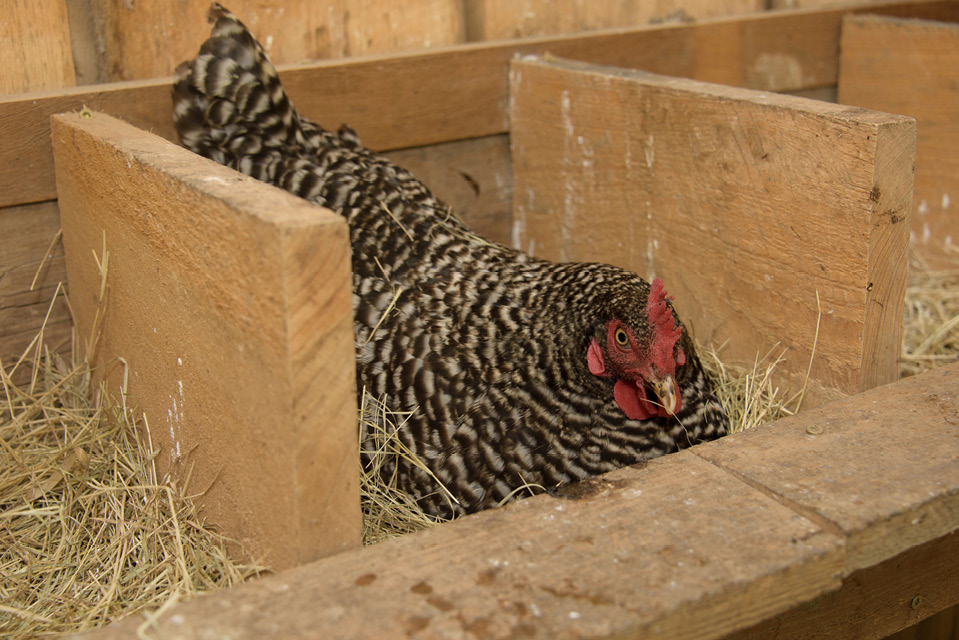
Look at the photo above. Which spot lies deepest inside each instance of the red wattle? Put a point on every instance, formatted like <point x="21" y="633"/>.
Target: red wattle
<point x="631" y="398"/>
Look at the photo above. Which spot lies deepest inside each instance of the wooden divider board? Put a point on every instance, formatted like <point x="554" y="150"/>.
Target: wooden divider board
<point x="697" y="544"/>
<point x="918" y="63"/>
<point x="747" y="204"/>
<point x="229" y="302"/>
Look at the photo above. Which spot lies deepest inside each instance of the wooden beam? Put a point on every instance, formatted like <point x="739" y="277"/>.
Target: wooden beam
<point x="918" y="62"/>
<point x="757" y="210"/>
<point x="409" y="100"/>
<point x="678" y="548"/>
<point x="226" y="321"/>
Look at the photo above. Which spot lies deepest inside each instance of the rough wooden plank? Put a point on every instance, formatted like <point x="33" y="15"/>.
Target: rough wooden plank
<point x="808" y="4"/>
<point x="503" y="19"/>
<point x="473" y="176"/>
<point x="34" y="47"/>
<point x="918" y="62"/>
<point x="27" y="290"/>
<point x="748" y="205"/>
<point x="26" y="162"/>
<point x="882" y="468"/>
<point x="410" y="100"/>
<point x="230" y="304"/>
<point x="877" y="601"/>
<point x="642" y="553"/>
<point x="149" y="39"/>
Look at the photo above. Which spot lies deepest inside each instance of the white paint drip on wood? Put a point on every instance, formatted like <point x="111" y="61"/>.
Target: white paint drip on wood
<point x="569" y="205"/>
<point x="175" y="419"/>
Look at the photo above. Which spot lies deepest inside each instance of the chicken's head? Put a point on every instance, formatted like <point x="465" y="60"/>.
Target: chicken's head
<point x="642" y="358"/>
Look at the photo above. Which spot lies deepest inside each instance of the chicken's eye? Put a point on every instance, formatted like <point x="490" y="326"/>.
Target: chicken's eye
<point x="621" y="338"/>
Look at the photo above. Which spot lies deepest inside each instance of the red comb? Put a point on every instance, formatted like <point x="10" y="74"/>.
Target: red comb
<point x="665" y="331"/>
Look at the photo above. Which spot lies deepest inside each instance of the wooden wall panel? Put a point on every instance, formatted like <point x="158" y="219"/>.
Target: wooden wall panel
<point x="816" y="4"/>
<point x="749" y="205"/>
<point x="34" y="46"/>
<point x="149" y="39"/>
<point x="505" y="19"/>
<point x="230" y="304"/>
<point x="912" y="67"/>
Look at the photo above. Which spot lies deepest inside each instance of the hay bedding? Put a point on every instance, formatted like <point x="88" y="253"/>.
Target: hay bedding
<point x="89" y="533"/>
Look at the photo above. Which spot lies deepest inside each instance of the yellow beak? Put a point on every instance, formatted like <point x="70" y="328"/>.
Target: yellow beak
<point x="665" y="390"/>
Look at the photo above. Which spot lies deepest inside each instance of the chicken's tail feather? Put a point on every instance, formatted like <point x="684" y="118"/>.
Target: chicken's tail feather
<point x="228" y="102"/>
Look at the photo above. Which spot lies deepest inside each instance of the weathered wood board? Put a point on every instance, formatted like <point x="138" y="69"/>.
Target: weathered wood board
<point x="757" y="210"/>
<point x="886" y="492"/>
<point x="227" y="321"/>
<point x="873" y="602"/>
<point x="149" y="39"/>
<point x="34" y="47"/>
<point x="918" y="62"/>
<point x="408" y="100"/>
<point x="642" y="554"/>
<point x="505" y="19"/>
<point x="678" y="548"/>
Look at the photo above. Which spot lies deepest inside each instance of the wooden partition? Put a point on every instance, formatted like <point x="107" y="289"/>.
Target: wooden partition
<point x="220" y="308"/>
<point x="912" y="67"/>
<point x="776" y="222"/>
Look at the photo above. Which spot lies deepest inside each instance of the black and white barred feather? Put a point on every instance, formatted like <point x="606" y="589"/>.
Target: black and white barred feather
<point x="484" y="345"/>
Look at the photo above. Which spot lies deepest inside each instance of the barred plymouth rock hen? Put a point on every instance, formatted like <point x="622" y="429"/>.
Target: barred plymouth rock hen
<point x="517" y="371"/>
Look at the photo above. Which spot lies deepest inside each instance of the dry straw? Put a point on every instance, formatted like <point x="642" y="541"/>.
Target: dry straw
<point x="90" y="533"/>
<point x="931" y="331"/>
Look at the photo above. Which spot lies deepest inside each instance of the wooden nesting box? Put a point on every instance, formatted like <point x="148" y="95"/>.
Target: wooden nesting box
<point x="772" y="218"/>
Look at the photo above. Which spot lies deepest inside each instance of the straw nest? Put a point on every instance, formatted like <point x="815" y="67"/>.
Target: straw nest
<point x="89" y="533"/>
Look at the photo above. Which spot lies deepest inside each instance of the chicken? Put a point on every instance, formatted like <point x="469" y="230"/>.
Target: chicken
<point x="516" y="372"/>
